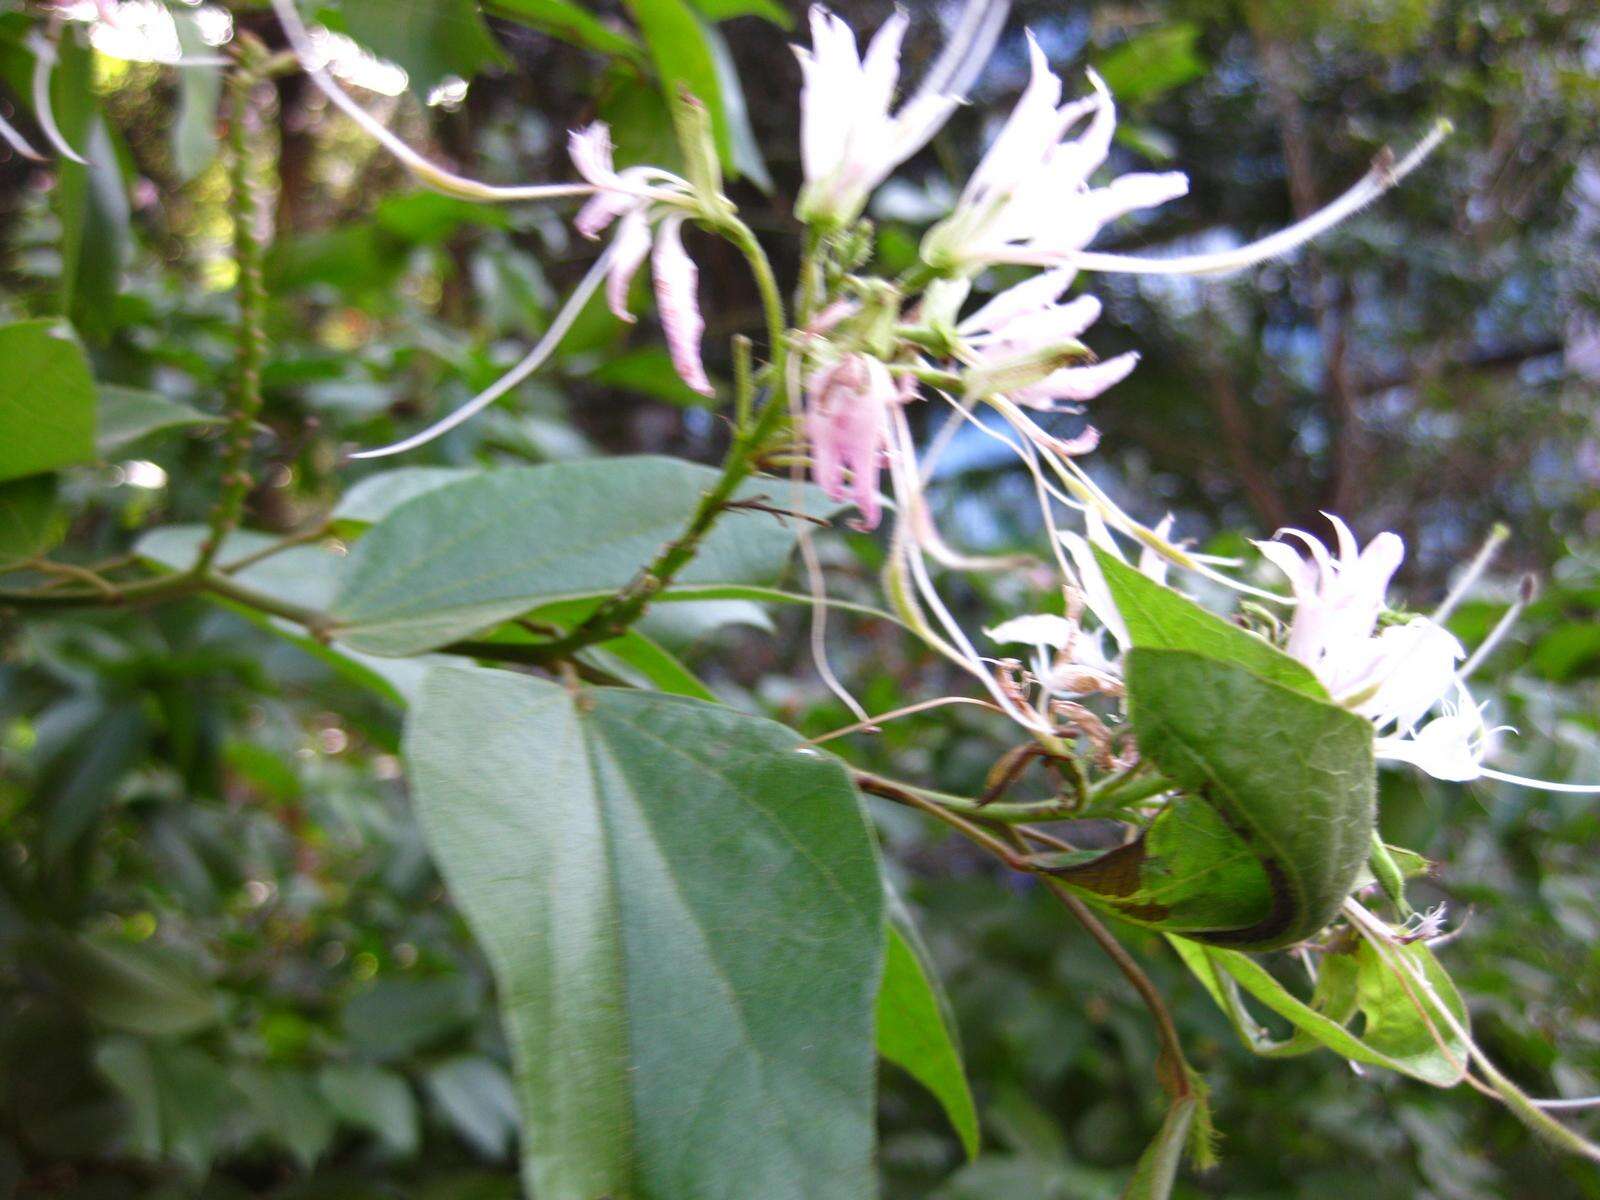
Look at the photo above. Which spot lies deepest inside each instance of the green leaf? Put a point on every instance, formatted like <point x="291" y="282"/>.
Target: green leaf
<point x="1157" y="1168"/>
<point x="194" y="130"/>
<point x="1158" y="618"/>
<point x="747" y="159"/>
<point x="1398" y="1032"/>
<point x="128" y="415"/>
<point x="477" y="1099"/>
<point x="684" y="61"/>
<point x="647" y="371"/>
<point x="916" y="1030"/>
<point x="132" y="987"/>
<point x="571" y="23"/>
<point x="683" y="910"/>
<point x="30" y="521"/>
<point x="727" y="10"/>
<point x="46" y="399"/>
<point x="463" y="558"/>
<point x="428" y="218"/>
<point x="90" y="201"/>
<point x="374" y="1100"/>
<point x="395" y="1018"/>
<point x="637" y="660"/>
<point x="1188" y="873"/>
<point x="376" y="496"/>
<point x="1147" y="67"/>
<point x="431" y="39"/>
<point x="178" y="1099"/>
<point x="289" y="1110"/>
<point x="1292" y="778"/>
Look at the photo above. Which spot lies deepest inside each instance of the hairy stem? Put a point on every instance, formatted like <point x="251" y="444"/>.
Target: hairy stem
<point x="615" y="614"/>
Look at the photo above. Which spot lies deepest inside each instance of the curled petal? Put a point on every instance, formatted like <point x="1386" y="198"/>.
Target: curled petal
<point x="1027" y="134"/>
<point x="847" y="425"/>
<point x="1448" y="747"/>
<point x="1072" y="384"/>
<point x="1096" y="592"/>
<point x="676" y="282"/>
<point x="1302" y="576"/>
<point x="1129" y="193"/>
<point x="1414" y="669"/>
<point x="599" y="211"/>
<point x="44" y="63"/>
<point x="1037" y="629"/>
<point x="629" y="249"/>
<point x="590" y="151"/>
<point x="1032" y="294"/>
<point x="17" y="142"/>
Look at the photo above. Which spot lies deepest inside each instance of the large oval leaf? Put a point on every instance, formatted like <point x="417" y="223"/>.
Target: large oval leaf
<point x="683" y="910"/>
<point x="1275" y="817"/>
<point x="1291" y="776"/>
<point x="464" y="557"/>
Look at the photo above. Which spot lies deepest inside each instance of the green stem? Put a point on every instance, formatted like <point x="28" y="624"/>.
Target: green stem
<point x="614" y="615"/>
<point x="1120" y="791"/>
<point x="810" y="277"/>
<point x="744" y="386"/>
<point x="744" y="239"/>
<point x="248" y="251"/>
<point x="1004" y="814"/>
<point x="1173" y="1071"/>
<point x="318" y="624"/>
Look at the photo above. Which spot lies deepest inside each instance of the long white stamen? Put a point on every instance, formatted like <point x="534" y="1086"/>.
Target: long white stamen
<point x="17" y="142"/>
<point x="1030" y="459"/>
<point x="1543" y="785"/>
<point x="816" y="582"/>
<point x="960" y="650"/>
<point x="1577" y="1103"/>
<point x="1480" y="563"/>
<point x="534" y="359"/>
<point x="426" y="172"/>
<point x="1089" y="495"/>
<point x="1487" y="646"/>
<point x="870" y="725"/>
<point x="1373" y="184"/>
<point x="44" y="63"/>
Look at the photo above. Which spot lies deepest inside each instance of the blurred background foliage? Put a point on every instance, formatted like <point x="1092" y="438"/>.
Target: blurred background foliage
<point x="226" y="966"/>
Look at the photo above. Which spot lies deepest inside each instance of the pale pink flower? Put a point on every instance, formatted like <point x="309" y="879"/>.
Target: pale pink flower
<point x="677" y="279"/>
<point x="849" y="140"/>
<point x="1023" y="331"/>
<point x="635" y="198"/>
<point x="1337" y="599"/>
<point x="1029" y="199"/>
<point x="847" y="423"/>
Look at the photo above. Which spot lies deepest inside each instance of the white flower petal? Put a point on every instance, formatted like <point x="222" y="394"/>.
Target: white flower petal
<point x="1036" y="629"/>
